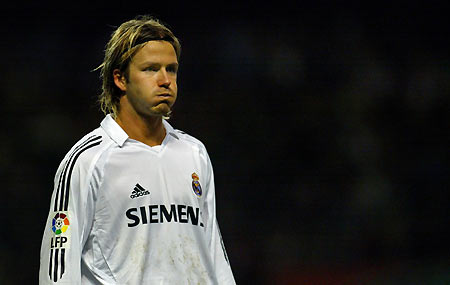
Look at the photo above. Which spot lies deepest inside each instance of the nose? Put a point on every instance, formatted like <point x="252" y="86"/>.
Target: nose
<point x="163" y="78"/>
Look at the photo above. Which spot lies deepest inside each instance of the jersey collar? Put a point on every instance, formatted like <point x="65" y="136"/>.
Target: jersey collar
<point x="169" y="129"/>
<point x="114" y="131"/>
<point x="118" y="135"/>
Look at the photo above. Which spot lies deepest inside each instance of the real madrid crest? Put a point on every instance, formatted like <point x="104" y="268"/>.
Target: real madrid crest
<point x="196" y="185"/>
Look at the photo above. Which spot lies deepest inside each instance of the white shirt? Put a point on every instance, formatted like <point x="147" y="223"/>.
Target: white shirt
<point x="123" y="212"/>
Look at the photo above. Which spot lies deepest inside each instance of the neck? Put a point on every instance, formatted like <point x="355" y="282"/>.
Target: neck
<point x="149" y="130"/>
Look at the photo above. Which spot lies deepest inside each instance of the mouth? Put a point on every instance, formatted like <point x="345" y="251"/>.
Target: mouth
<point x="165" y="98"/>
<point x="164" y="95"/>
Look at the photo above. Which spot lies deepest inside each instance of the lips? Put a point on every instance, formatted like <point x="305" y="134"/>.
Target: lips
<point x="164" y="95"/>
<point x="166" y="98"/>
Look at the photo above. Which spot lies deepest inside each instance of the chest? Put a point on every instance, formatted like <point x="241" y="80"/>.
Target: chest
<point x="136" y="176"/>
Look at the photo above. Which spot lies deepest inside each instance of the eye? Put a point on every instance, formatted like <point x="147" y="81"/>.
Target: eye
<point x="151" y="68"/>
<point x="172" y="68"/>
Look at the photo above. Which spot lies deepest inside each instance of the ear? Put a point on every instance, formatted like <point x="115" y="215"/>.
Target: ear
<point x="120" y="80"/>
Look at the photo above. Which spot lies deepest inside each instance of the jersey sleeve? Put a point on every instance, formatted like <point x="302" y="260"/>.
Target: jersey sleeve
<point x="70" y="218"/>
<point x="222" y="266"/>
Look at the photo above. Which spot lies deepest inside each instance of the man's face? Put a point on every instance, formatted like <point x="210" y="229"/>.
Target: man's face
<point x="151" y="87"/>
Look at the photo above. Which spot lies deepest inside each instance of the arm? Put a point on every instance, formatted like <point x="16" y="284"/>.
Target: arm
<point x="219" y="255"/>
<point x="69" y="220"/>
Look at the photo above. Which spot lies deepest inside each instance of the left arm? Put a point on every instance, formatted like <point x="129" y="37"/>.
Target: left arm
<point x="219" y="255"/>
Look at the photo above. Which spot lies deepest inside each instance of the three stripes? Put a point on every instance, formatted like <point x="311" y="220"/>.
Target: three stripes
<point x="61" y="203"/>
<point x="53" y="272"/>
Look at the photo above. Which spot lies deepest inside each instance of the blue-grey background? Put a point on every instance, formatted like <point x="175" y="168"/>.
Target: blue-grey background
<point x="327" y="124"/>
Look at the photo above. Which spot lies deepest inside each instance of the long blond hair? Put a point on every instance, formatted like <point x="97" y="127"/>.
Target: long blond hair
<point x="125" y="41"/>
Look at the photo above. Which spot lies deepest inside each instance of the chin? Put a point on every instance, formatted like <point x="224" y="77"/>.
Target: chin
<point x="162" y="111"/>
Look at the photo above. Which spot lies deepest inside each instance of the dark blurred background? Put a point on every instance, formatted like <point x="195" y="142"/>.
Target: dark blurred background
<point x="327" y="124"/>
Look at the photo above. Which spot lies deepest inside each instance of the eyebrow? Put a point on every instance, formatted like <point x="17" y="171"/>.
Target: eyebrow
<point x="173" y="65"/>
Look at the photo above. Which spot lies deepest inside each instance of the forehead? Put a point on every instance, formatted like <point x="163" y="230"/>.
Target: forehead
<point x="156" y="51"/>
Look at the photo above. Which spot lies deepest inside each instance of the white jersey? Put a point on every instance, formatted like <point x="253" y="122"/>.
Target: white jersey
<point x="123" y="212"/>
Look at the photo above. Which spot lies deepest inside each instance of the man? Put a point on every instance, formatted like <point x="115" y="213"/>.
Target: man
<point x="134" y="200"/>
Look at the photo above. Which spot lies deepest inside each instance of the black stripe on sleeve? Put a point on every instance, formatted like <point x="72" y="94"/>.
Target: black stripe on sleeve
<point x="55" y="208"/>
<point x="63" y="259"/>
<point x="50" y="264"/>
<point x="64" y="171"/>
<point x="222" y="245"/>
<point x="66" y="199"/>
<point x="55" y="271"/>
<point x="72" y="158"/>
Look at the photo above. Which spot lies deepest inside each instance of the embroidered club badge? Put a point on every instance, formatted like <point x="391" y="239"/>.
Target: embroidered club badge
<point x="196" y="185"/>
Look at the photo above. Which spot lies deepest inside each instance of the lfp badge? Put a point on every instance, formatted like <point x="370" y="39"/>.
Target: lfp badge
<point x="60" y="223"/>
<point x="196" y="185"/>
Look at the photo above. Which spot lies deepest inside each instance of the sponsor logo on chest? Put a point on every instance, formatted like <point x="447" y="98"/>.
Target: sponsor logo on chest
<point x="159" y="214"/>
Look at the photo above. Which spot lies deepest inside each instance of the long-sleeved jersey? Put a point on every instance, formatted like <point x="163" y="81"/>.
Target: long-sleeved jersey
<point x="123" y="212"/>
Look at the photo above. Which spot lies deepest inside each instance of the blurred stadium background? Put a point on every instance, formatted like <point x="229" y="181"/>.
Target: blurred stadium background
<point x="327" y="125"/>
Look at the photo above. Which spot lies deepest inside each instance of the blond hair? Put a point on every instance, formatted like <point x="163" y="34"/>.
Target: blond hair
<point x="125" y="41"/>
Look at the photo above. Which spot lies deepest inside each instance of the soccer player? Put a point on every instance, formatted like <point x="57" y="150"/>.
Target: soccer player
<point x="134" y="200"/>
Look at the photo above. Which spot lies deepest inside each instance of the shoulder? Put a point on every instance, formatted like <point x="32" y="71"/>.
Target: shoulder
<point x="183" y="137"/>
<point x="190" y="140"/>
<point x="196" y="147"/>
<point x="88" y="149"/>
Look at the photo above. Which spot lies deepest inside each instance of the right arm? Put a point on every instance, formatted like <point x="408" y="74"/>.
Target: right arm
<point x="69" y="219"/>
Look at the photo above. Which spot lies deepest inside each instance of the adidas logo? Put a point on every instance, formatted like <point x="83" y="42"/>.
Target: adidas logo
<point x="139" y="191"/>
